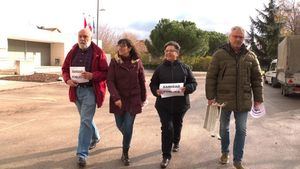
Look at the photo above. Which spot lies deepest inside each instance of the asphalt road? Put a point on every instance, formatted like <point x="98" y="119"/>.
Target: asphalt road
<point x="39" y="128"/>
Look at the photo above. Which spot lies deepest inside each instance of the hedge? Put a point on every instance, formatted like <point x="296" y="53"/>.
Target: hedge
<point x="196" y="63"/>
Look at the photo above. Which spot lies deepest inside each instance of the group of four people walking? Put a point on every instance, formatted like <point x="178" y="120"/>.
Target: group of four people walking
<point x="125" y="80"/>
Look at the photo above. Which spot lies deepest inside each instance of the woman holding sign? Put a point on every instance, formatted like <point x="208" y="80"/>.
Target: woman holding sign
<point x="126" y="84"/>
<point x="171" y="83"/>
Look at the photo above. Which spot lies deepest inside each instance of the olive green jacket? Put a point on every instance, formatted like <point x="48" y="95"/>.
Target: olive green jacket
<point x="231" y="78"/>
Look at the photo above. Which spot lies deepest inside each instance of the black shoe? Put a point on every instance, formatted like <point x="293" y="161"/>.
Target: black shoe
<point x="81" y="161"/>
<point x="93" y="144"/>
<point x="176" y="148"/>
<point x="164" y="163"/>
<point x="125" y="159"/>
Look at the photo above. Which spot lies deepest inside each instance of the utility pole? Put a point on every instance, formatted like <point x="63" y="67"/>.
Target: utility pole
<point x="97" y="27"/>
<point x="97" y="21"/>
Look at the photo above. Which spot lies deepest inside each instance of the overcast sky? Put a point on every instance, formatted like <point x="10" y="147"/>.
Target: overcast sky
<point x="136" y="16"/>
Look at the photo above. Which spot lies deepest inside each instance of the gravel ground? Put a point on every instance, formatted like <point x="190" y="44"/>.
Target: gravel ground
<point x="36" y="77"/>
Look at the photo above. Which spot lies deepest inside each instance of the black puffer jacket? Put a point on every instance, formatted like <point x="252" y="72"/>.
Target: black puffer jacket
<point x="173" y="72"/>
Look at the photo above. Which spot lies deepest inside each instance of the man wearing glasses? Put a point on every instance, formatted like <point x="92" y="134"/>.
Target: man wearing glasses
<point x="232" y="76"/>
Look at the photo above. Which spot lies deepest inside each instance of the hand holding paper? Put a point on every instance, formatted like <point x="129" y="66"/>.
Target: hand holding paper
<point x="257" y="110"/>
<point x="76" y="74"/>
<point x="182" y="89"/>
<point x="87" y="75"/>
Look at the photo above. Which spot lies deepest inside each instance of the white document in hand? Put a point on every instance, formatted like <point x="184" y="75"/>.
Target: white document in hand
<point x="171" y="89"/>
<point x="75" y="73"/>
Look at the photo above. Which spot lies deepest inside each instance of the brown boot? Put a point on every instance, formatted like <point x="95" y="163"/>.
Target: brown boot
<point x="125" y="157"/>
<point x="224" y="158"/>
<point x="238" y="165"/>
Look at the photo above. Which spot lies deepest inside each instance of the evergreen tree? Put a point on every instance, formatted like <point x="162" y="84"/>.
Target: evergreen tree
<point x="265" y="32"/>
<point x="192" y="40"/>
<point x="215" y="40"/>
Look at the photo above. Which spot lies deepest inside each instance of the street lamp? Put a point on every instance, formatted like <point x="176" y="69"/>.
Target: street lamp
<point x="98" y="19"/>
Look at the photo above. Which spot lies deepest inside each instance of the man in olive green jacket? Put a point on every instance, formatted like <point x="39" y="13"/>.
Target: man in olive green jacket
<point x="232" y="76"/>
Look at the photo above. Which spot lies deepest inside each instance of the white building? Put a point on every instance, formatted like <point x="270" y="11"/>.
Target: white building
<point x="31" y="48"/>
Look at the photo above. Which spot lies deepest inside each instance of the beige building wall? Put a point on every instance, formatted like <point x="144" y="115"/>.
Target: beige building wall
<point x="32" y="49"/>
<point x="57" y="54"/>
<point x="39" y="49"/>
<point x="36" y="52"/>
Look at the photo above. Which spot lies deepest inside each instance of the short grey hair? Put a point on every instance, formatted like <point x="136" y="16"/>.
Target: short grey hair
<point x="237" y="28"/>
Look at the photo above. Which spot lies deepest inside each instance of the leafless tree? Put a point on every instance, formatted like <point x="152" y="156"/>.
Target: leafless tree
<point x="109" y="39"/>
<point x="290" y="16"/>
<point x="139" y="44"/>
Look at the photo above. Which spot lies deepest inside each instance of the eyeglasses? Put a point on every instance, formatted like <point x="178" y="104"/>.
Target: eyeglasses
<point x="236" y="37"/>
<point x="170" y="51"/>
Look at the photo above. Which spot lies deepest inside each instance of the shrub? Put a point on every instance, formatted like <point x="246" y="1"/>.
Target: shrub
<point x="196" y="63"/>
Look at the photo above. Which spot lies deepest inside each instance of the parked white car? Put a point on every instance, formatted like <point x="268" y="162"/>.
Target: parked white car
<point x="270" y="75"/>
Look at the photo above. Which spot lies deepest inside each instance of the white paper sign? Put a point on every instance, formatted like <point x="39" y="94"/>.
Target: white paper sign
<point x="171" y="89"/>
<point x="258" y="112"/>
<point x="75" y="73"/>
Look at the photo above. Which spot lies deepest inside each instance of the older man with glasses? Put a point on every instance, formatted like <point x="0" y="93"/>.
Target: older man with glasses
<point x="232" y="76"/>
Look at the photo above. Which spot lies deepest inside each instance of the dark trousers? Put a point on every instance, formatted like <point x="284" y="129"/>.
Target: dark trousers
<point x="171" y="125"/>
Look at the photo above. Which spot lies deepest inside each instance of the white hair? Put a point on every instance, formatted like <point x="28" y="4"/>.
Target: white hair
<point x="81" y="44"/>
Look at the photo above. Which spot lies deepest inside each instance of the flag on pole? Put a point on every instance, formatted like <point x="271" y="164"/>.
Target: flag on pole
<point x="90" y="27"/>
<point x="84" y="22"/>
<point x="88" y="22"/>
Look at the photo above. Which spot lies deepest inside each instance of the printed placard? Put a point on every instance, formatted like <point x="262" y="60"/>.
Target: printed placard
<point x="75" y="73"/>
<point x="171" y="89"/>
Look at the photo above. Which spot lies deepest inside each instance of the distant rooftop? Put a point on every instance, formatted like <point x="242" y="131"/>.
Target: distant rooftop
<point x="49" y="29"/>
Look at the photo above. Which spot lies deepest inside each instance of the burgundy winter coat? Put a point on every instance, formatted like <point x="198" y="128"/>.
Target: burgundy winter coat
<point x="99" y="70"/>
<point x="126" y="81"/>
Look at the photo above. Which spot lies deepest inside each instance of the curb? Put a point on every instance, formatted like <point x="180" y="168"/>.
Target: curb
<point x="30" y="86"/>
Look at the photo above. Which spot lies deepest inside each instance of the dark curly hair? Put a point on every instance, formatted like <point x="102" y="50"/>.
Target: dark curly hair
<point x="133" y="52"/>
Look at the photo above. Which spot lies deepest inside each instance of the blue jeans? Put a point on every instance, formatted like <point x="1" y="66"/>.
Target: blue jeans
<point x="125" y="125"/>
<point x="240" y="133"/>
<point x="86" y="105"/>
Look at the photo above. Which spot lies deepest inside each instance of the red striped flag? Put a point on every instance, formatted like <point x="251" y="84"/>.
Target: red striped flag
<point x="84" y="23"/>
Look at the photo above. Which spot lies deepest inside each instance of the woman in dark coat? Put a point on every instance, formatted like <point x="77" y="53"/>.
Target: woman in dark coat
<point x="171" y="110"/>
<point x="126" y="84"/>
